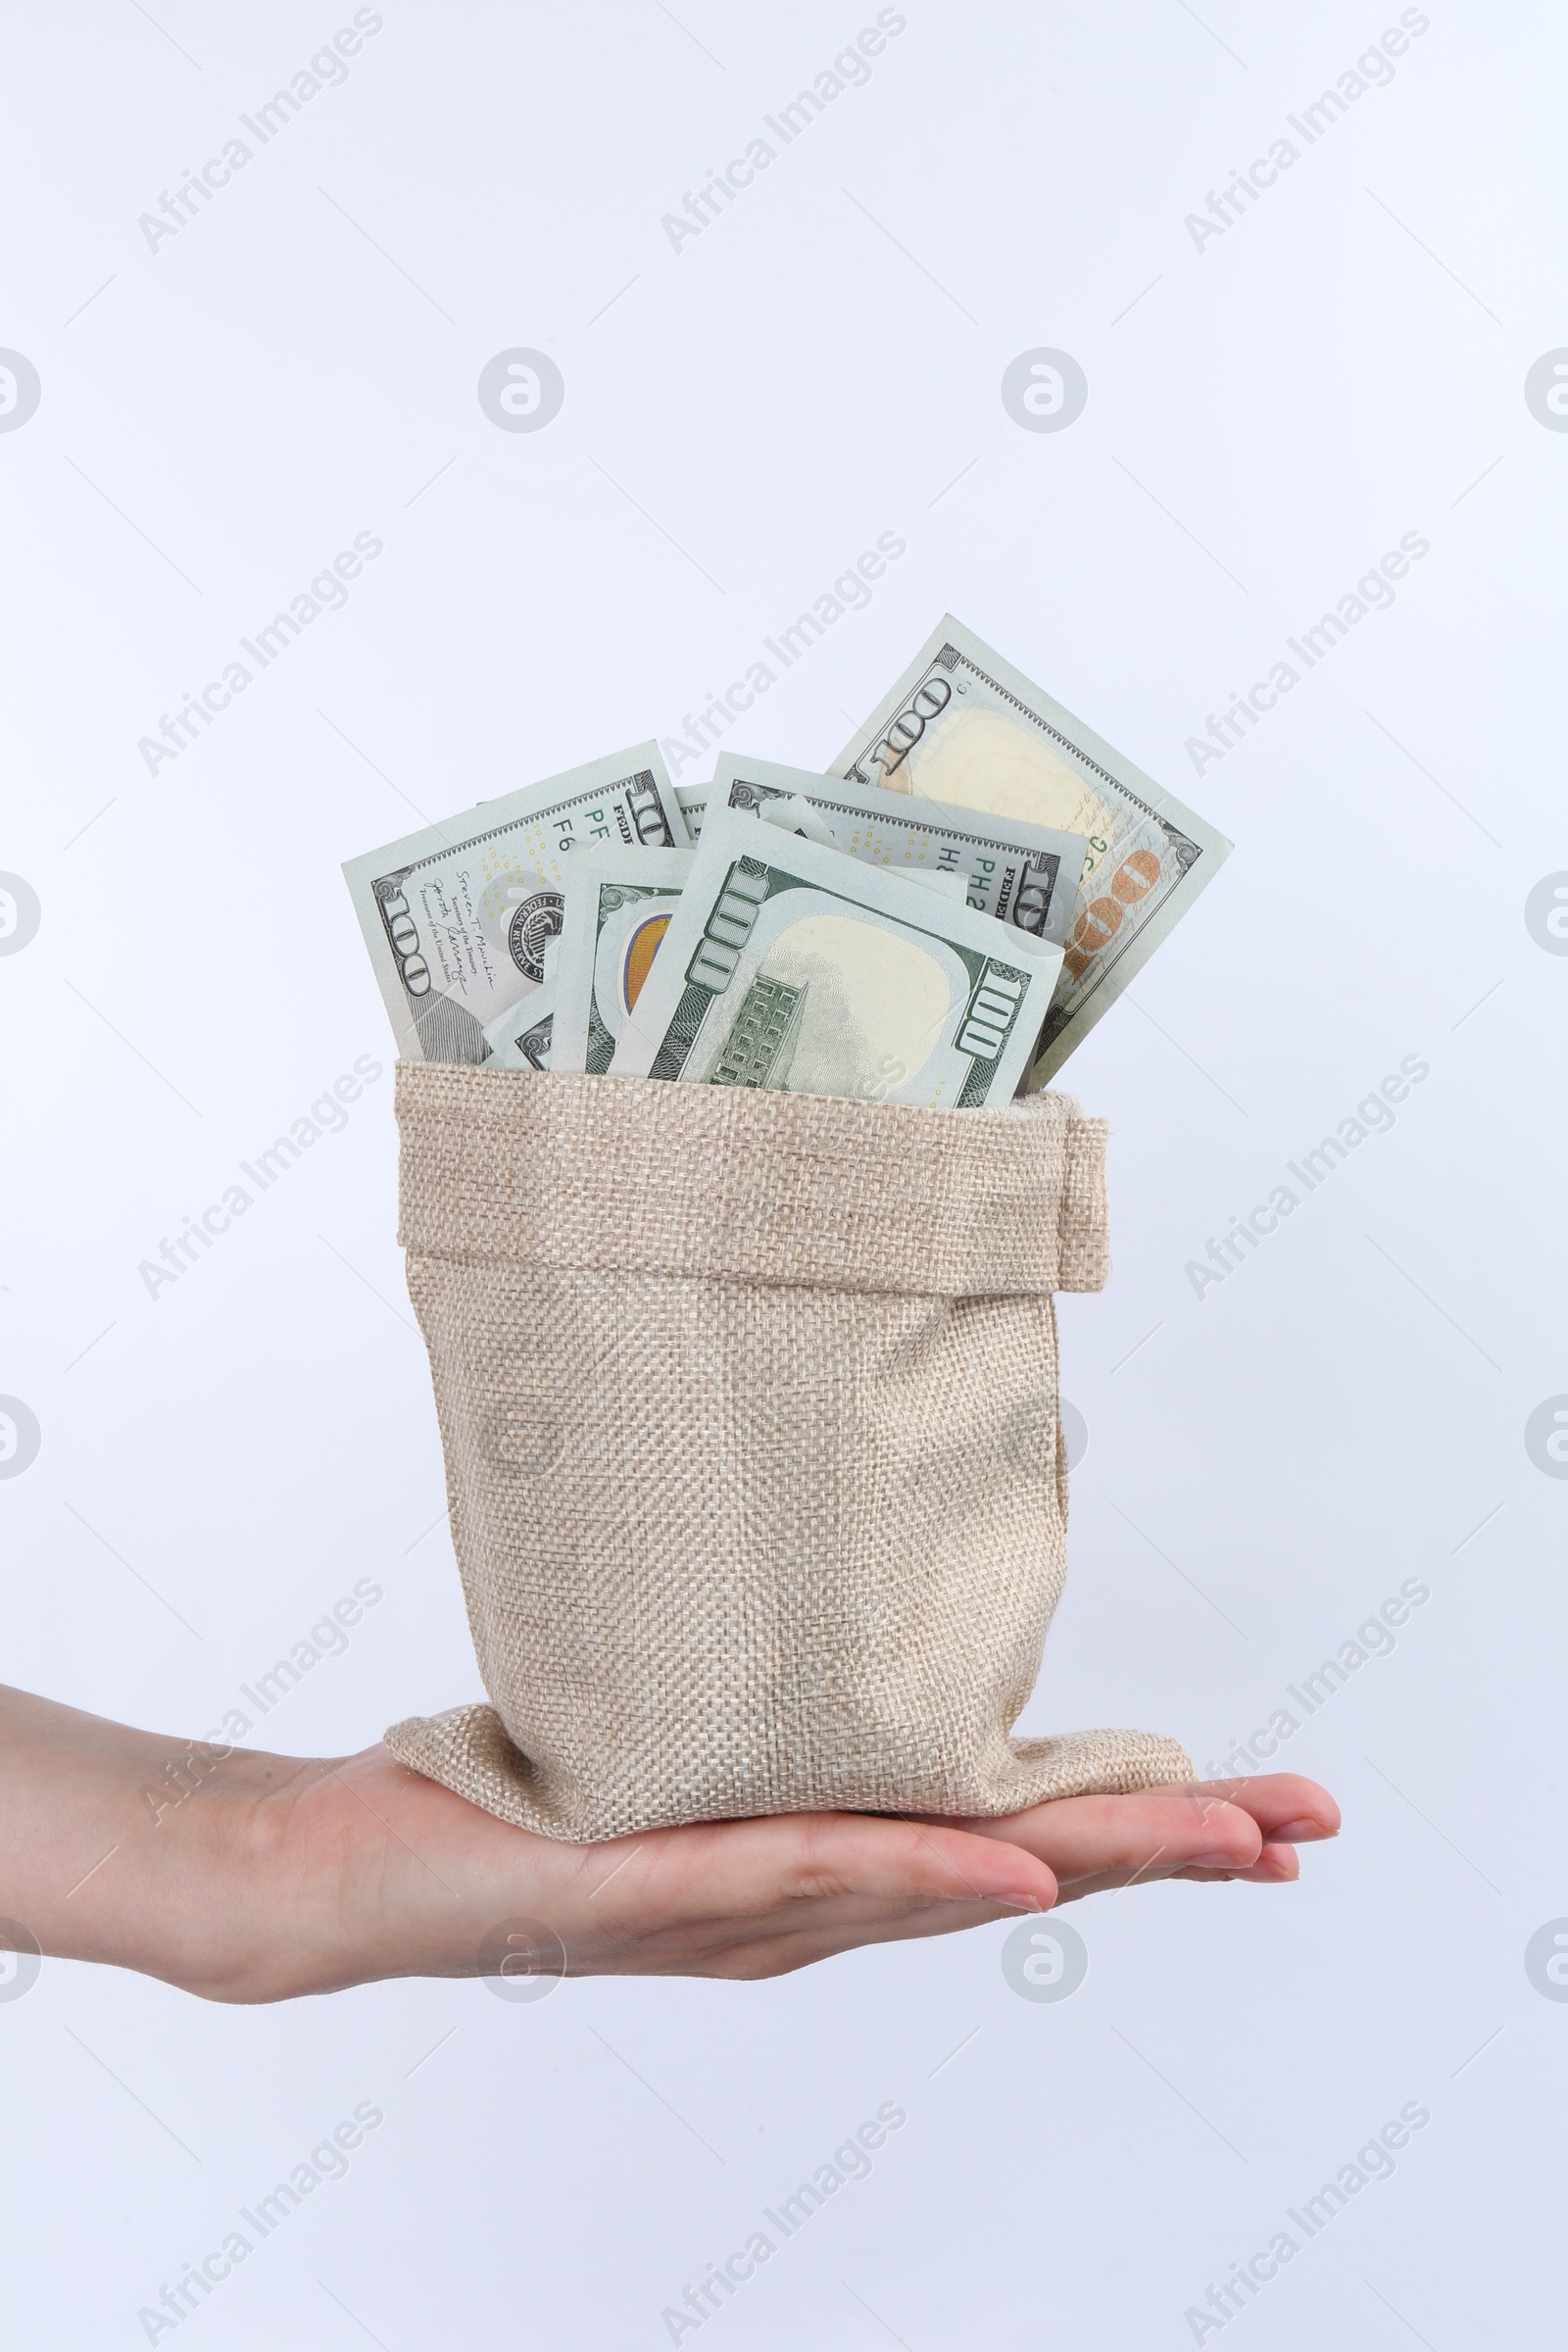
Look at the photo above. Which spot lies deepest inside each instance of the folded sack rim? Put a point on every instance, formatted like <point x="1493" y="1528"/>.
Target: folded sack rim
<point x="982" y="1203"/>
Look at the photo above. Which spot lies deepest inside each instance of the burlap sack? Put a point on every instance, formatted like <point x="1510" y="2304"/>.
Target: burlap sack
<point x="753" y="1460"/>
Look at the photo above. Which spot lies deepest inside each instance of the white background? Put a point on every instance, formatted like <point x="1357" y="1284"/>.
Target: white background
<point x="220" y="1464"/>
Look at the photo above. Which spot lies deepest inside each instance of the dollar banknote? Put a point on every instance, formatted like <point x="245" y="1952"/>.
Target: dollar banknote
<point x="456" y="917"/>
<point x="519" y="1039"/>
<point x="1025" y="874"/>
<point x="963" y="726"/>
<point x="790" y="964"/>
<point x="618" y="906"/>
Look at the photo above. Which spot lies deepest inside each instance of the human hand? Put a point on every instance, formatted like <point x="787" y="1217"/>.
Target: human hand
<point x="278" y="1876"/>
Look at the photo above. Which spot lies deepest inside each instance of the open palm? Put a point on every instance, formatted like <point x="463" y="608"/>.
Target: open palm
<point x="376" y="1873"/>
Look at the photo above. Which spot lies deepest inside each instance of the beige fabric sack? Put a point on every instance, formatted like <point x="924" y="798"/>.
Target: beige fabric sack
<point x="754" y="1475"/>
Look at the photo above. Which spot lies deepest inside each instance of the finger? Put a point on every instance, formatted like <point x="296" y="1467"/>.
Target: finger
<point x="747" y="1870"/>
<point x="1284" y="1804"/>
<point x="1156" y="1830"/>
<point x="711" y="1947"/>
<point x="1276" y="1866"/>
<point x="772" y="1954"/>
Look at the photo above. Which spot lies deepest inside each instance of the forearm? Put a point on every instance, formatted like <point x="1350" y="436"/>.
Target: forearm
<point x="121" y="1845"/>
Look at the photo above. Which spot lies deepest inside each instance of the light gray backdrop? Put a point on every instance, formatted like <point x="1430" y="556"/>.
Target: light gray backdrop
<point x="1276" y="399"/>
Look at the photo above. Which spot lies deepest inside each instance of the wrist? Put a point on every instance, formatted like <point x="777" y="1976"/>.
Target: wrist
<point x="135" y="1850"/>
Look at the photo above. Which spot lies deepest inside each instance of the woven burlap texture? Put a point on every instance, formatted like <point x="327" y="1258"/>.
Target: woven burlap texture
<point x="754" y="1466"/>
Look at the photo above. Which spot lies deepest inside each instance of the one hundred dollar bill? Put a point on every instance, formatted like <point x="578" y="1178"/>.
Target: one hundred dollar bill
<point x="456" y="917"/>
<point x="692" y="799"/>
<point x="519" y="1039"/>
<point x="798" y="815"/>
<point x="618" y="906"/>
<point x="965" y="727"/>
<point x="790" y="964"/>
<point x="1025" y="874"/>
